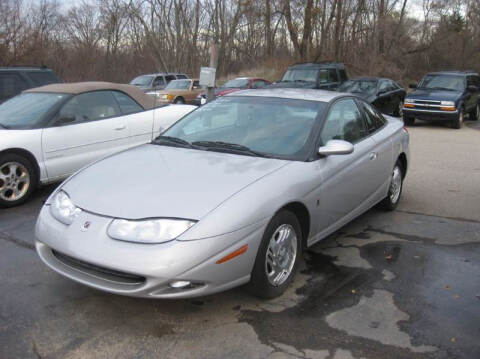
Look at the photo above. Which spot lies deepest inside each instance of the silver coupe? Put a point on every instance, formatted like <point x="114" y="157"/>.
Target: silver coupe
<point x="229" y="195"/>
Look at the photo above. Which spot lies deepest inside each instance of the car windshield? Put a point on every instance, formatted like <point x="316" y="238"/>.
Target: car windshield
<point x="359" y="86"/>
<point x="302" y="75"/>
<point x="144" y="80"/>
<point x="26" y="110"/>
<point x="274" y="127"/>
<point x="178" y="85"/>
<point x="237" y="83"/>
<point x="443" y="82"/>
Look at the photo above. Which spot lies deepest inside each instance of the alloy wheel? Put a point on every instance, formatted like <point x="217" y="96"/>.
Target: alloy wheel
<point x="14" y="181"/>
<point x="281" y="255"/>
<point x="395" y="185"/>
<point x="400" y="109"/>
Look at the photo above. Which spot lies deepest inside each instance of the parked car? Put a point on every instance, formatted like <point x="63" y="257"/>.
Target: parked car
<point x="241" y="83"/>
<point x="49" y="132"/>
<point x="385" y="94"/>
<point x="179" y="92"/>
<point x="14" y="80"/>
<point x="230" y="194"/>
<point x="444" y="96"/>
<point x="322" y="75"/>
<point x="157" y="81"/>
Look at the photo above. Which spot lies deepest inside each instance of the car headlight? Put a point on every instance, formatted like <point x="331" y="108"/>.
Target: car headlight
<point x="149" y="230"/>
<point x="63" y="209"/>
<point x="407" y="100"/>
<point x="164" y="97"/>
<point x="447" y="103"/>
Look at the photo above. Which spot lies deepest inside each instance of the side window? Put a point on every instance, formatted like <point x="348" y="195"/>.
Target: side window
<point x="90" y="106"/>
<point x="373" y="119"/>
<point x="158" y="81"/>
<point x="384" y="86"/>
<point x="182" y="77"/>
<point x="344" y="122"/>
<point x="258" y="84"/>
<point x="169" y="78"/>
<point x="332" y="75"/>
<point x="343" y="75"/>
<point x="127" y="104"/>
<point x="11" y="85"/>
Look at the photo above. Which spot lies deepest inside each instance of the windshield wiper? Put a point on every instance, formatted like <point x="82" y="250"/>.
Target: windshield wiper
<point x="171" y="141"/>
<point x="230" y="147"/>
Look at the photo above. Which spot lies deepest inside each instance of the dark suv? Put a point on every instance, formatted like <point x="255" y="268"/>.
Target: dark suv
<point x="14" y="80"/>
<point x="444" y="96"/>
<point x="323" y="75"/>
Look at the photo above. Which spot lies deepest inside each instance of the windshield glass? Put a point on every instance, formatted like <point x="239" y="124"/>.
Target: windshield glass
<point x="237" y="83"/>
<point x="359" y="86"/>
<point x="443" y="82"/>
<point x="26" y="110"/>
<point x="178" y="85"/>
<point x="309" y="75"/>
<point x="144" y="80"/>
<point x="277" y="127"/>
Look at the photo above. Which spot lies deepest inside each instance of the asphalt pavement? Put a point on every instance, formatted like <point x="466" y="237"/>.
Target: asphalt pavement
<point x="403" y="284"/>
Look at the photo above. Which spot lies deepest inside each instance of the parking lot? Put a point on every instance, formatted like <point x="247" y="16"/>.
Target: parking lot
<point x="403" y="284"/>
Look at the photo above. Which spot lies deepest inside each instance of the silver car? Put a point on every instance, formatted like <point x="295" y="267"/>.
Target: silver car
<point x="229" y="195"/>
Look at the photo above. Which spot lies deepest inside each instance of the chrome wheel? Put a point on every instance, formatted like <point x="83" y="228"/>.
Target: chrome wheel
<point x="395" y="185"/>
<point x="400" y="109"/>
<point x="477" y="113"/>
<point x="281" y="255"/>
<point x="14" y="181"/>
<point x="460" y="118"/>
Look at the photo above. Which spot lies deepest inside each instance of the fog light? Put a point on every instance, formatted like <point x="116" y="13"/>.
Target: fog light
<point x="180" y="284"/>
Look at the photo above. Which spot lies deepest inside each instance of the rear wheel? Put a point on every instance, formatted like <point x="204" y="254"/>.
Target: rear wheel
<point x="17" y="179"/>
<point x="395" y="190"/>
<point x="278" y="256"/>
<point x="457" y="123"/>
<point x="179" y="101"/>
<point x="475" y="114"/>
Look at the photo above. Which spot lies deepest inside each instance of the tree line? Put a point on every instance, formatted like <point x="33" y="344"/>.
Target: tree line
<point x="115" y="40"/>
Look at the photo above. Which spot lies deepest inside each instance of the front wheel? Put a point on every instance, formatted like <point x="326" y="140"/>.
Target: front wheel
<point x="179" y="101"/>
<point x="278" y="256"/>
<point x="395" y="190"/>
<point x="398" y="111"/>
<point x="475" y="114"/>
<point x="457" y="123"/>
<point x="17" y="180"/>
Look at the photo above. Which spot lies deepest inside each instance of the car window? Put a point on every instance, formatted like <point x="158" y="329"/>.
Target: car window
<point x="90" y="106"/>
<point x="43" y="77"/>
<point x="158" y="81"/>
<point x="443" y="82"/>
<point x="182" y="77"/>
<point x="258" y="84"/>
<point x="373" y="119"/>
<point x="344" y="122"/>
<point x="384" y="86"/>
<point x="127" y="104"/>
<point x="332" y="75"/>
<point x="169" y="78"/>
<point x="11" y="85"/>
<point x="343" y="75"/>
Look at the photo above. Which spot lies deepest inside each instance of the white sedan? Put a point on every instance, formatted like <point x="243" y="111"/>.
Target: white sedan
<point x="50" y="132"/>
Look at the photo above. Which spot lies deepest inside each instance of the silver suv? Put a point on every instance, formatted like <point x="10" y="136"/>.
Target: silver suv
<point x="157" y="81"/>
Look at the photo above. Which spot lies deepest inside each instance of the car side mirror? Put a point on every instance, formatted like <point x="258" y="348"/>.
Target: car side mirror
<point x="472" y="88"/>
<point x="336" y="147"/>
<point x="65" y="120"/>
<point x="413" y="86"/>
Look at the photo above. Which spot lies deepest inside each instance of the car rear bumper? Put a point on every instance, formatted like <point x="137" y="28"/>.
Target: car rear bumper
<point x="144" y="270"/>
<point x="430" y="115"/>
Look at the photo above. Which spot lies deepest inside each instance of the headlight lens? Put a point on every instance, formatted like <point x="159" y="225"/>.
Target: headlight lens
<point x="164" y="97"/>
<point x="63" y="209"/>
<point x="447" y="103"/>
<point x="407" y="100"/>
<point x="148" y="231"/>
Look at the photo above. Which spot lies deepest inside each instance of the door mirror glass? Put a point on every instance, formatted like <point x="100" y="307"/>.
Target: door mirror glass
<point x="412" y="86"/>
<point x="336" y="147"/>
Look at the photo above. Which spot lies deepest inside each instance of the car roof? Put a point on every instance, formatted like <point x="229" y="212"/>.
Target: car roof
<point x="455" y="72"/>
<point x="75" y="88"/>
<point x="25" y="68"/>
<point x="163" y="74"/>
<point x="336" y="65"/>
<point x="293" y="93"/>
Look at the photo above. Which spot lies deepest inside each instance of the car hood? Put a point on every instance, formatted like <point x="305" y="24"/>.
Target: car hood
<point x="161" y="181"/>
<point x="435" y="95"/>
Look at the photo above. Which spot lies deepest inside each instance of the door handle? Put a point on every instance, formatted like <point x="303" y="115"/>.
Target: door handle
<point x="373" y="155"/>
<point x="119" y="128"/>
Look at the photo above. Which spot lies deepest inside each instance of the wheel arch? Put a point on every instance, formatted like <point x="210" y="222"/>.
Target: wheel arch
<point x="403" y="160"/>
<point x="28" y="155"/>
<point x="303" y="215"/>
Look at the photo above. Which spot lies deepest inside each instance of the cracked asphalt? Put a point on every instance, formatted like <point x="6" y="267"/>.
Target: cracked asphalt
<point x="403" y="284"/>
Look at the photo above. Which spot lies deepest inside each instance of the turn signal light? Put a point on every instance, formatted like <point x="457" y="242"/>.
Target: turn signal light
<point x="447" y="108"/>
<point x="234" y="254"/>
<point x="408" y="105"/>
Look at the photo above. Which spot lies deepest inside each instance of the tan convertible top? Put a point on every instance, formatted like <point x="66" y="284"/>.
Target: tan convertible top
<point x="138" y="95"/>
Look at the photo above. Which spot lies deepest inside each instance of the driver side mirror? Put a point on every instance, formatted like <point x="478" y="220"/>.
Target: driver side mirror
<point x="336" y="147"/>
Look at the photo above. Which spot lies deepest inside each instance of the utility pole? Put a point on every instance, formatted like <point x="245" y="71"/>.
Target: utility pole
<point x="213" y="64"/>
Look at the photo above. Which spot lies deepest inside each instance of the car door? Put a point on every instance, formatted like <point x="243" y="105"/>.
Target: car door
<point x="158" y="83"/>
<point x="88" y="127"/>
<point x="384" y="100"/>
<point x="347" y="181"/>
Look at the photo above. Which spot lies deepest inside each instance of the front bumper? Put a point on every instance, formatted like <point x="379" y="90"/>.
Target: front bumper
<point x="430" y="115"/>
<point x="92" y="258"/>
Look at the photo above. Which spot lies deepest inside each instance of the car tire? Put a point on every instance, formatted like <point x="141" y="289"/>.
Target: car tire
<point x="457" y="123"/>
<point x="398" y="112"/>
<point x="179" y="101"/>
<point x="390" y="202"/>
<point x="408" y="121"/>
<point x="278" y="256"/>
<point x="18" y="179"/>
<point x="475" y="114"/>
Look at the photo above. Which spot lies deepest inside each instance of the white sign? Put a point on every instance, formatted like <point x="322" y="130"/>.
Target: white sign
<point x="207" y="76"/>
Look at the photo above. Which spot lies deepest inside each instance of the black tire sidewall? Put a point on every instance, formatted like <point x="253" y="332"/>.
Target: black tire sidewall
<point x="259" y="284"/>
<point x="13" y="157"/>
<point x="179" y="101"/>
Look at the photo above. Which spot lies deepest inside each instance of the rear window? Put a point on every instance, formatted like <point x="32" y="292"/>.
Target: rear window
<point x="41" y="78"/>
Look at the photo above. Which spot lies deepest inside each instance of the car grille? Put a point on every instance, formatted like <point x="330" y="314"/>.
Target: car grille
<point x="107" y="274"/>
<point x="427" y="102"/>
